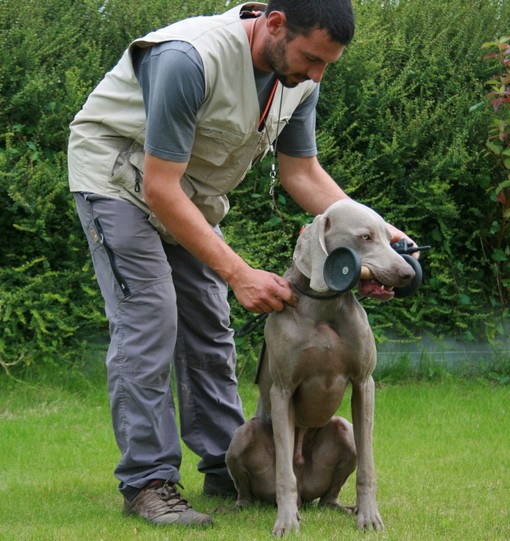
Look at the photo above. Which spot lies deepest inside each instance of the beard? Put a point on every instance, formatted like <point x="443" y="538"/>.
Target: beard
<point x="275" y="56"/>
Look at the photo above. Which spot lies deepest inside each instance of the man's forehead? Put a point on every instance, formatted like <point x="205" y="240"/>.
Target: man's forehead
<point x="317" y="45"/>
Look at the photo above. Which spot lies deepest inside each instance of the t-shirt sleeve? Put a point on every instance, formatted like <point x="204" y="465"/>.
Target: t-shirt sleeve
<point x="171" y="76"/>
<point x="297" y="139"/>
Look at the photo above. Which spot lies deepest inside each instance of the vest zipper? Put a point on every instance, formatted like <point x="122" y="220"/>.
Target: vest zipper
<point x="137" y="180"/>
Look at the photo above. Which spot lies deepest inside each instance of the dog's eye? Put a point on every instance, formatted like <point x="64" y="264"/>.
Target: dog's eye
<point x="365" y="236"/>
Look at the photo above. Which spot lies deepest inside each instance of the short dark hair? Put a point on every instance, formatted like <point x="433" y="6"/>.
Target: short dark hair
<point x="303" y="16"/>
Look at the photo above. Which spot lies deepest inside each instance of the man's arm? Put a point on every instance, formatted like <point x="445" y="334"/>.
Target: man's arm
<point x="314" y="190"/>
<point x="308" y="183"/>
<point x="256" y="290"/>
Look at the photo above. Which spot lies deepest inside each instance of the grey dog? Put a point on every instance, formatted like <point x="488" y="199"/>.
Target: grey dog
<point x="295" y="450"/>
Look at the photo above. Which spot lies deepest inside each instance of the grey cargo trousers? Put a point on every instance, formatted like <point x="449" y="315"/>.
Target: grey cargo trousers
<point x="164" y="307"/>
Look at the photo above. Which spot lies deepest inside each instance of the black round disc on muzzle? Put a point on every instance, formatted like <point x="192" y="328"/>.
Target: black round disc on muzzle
<point x="342" y="269"/>
<point x="415" y="283"/>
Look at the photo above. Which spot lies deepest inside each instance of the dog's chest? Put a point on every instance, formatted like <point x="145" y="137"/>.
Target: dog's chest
<point x="322" y="374"/>
<point x="317" y="398"/>
<point x="330" y="347"/>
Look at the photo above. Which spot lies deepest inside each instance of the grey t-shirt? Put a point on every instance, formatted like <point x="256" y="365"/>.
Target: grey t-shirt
<point x="171" y="75"/>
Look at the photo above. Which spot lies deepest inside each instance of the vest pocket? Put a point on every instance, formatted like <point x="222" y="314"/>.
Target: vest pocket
<point x="220" y="158"/>
<point x="128" y="170"/>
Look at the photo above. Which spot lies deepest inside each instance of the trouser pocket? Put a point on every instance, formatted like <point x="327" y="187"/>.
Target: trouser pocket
<point x="126" y="292"/>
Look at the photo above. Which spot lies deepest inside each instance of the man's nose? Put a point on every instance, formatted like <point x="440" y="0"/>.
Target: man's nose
<point x="316" y="73"/>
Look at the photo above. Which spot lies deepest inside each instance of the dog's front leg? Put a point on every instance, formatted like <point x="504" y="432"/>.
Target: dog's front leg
<point x="363" y="421"/>
<point x="282" y="412"/>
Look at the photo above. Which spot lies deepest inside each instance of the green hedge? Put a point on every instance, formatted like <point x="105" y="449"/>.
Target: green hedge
<point x="52" y="54"/>
<point x="409" y="146"/>
<point x="395" y="130"/>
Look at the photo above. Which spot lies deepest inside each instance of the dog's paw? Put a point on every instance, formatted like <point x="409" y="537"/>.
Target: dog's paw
<point x="241" y="504"/>
<point x="369" y="519"/>
<point x="286" y="524"/>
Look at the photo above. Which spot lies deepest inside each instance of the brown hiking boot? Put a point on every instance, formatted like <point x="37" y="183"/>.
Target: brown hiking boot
<point x="160" y="503"/>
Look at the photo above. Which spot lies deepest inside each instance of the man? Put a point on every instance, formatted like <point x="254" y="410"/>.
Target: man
<point x="171" y="129"/>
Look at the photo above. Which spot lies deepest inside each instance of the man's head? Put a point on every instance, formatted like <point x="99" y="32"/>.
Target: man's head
<point x="304" y="37"/>
<point x="336" y="17"/>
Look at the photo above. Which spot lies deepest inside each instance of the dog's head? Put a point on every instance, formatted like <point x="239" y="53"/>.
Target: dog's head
<point x="352" y="225"/>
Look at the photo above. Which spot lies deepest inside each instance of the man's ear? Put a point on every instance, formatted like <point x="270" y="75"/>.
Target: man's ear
<point x="276" y="23"/>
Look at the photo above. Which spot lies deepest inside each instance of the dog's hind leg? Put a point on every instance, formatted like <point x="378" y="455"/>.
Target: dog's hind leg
<point x="251" y="462"/>
<point x="330" y="458"/>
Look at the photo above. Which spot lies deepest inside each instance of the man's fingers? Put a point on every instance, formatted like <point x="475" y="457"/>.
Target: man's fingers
<point x="284" y="293"/>
<point x="261" y="291"/>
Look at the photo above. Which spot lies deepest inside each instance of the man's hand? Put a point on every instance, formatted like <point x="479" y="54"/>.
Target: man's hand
<point x="261" y="291"/>
<point x="396" y="235"/>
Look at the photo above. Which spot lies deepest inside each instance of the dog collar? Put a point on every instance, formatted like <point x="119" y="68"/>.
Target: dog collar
<point x="316" y="296"/>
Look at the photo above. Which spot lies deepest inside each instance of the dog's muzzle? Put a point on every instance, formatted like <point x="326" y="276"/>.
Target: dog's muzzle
<point x="343" y="270"/>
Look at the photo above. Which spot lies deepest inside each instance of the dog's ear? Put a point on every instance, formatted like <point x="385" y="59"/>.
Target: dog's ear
<point x="311" y="252"/>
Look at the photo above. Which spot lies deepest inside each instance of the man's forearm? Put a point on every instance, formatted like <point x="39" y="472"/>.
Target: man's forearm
<point x="256" y="290"/>
<point x="309" y="184"/>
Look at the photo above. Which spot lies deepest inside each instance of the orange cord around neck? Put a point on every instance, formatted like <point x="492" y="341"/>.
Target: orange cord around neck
<point x="271" y="96"/>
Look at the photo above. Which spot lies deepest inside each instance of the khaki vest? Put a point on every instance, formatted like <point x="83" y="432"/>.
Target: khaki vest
<point x="106" y="153"/>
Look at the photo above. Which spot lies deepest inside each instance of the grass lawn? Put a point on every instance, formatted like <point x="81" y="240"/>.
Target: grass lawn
<point x="442" y="455"/>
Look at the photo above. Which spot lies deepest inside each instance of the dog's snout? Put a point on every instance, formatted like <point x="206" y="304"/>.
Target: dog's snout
<point x="406" y="272"/>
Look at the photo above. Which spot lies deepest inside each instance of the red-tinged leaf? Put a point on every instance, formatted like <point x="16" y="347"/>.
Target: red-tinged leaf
<point x="502" y="198"/>
<point x="496" y="103"/>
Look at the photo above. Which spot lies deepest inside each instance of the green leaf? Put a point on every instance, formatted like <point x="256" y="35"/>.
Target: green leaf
<point x="477" y="106"/>
<point x="464" y="299"/>
<point x="494" y="148"/>
<point x="499" y="255"/>
<point x="503" y="185"/>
